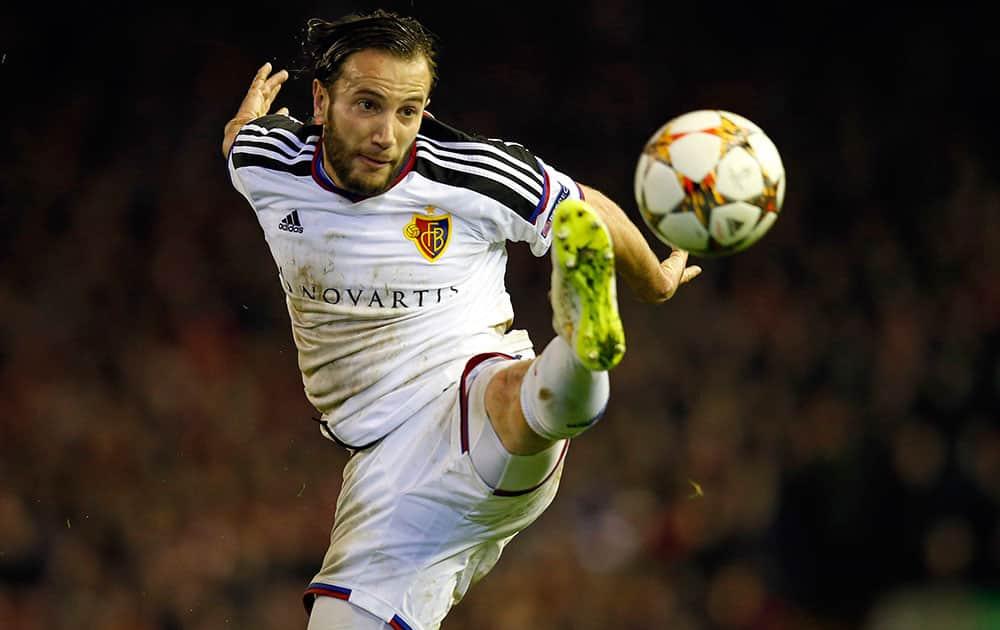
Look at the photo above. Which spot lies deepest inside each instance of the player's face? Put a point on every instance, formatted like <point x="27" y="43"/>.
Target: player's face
<point x="371" y="115"/>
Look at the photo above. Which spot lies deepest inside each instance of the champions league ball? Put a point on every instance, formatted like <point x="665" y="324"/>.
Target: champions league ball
<point x="709" y="182"/>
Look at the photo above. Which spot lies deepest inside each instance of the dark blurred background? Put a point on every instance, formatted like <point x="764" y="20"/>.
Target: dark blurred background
<point x="834" y="390"/>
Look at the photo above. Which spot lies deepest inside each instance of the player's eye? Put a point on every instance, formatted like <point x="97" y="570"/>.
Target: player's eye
<point x="409" y="111"/>
<point x="367" y="105"/>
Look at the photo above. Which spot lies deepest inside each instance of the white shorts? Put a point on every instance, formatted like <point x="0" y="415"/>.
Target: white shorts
<point x="416" y="525"/>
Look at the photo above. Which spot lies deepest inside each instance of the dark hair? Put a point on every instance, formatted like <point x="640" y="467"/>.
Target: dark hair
<point x="326" y="45"/>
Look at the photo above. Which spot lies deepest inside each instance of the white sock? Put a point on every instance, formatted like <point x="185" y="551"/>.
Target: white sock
<point x="559" y="397"/>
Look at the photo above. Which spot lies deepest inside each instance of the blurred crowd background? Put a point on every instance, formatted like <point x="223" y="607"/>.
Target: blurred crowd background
<point x="833" y="391"/>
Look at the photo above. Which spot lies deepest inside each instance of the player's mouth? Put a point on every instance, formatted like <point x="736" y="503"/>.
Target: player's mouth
<point x="373" y="163"/>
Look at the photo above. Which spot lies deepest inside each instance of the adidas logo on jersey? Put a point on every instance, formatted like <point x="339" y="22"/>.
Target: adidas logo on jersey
<point x="291" y="222"/>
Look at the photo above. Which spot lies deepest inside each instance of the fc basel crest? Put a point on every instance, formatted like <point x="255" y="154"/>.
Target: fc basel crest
<point x="430" y="234"/>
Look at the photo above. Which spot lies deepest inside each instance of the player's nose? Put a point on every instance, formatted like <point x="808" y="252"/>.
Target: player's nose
<point x="384" y="134"/>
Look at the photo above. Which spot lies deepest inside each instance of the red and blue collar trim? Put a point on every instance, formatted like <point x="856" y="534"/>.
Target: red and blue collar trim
<point x="321" y="177"/>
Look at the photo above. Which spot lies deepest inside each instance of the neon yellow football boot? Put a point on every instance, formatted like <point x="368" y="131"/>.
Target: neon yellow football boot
<point x="584" y="295"/>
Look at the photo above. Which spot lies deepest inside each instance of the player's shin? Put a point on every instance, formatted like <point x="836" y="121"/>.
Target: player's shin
<point x="560" y="397"/>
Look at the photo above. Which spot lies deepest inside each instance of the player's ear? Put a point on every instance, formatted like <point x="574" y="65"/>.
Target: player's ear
<point x="321" y="100"/>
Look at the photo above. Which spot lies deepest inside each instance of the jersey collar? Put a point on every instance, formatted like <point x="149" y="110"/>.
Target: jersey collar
<point x="321" y="177"/>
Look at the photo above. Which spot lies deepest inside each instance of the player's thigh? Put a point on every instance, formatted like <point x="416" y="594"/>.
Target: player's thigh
<point x="503" y="406"/>
<point x="330" y="613"/>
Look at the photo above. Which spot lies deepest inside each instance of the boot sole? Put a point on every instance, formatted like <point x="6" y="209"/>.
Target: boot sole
<point x="585" y="255"/>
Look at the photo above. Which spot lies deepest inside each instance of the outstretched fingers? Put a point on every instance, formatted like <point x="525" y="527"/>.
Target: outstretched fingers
<point x="260" y="81"/>
<point x="262" y="73"/>
<point x="260" y="96"/>
<point x="272" y="85"/>
<point x="690" y="273"/>
<point x="263" y="90"/>
<point x="677" y="272"/>
<point x="266" y="86"/>
<point x="675" y="267"/>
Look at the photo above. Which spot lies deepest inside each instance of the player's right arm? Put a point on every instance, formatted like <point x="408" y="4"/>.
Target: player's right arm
<point x="258" y="100"/>
<point x="651" y="279"/>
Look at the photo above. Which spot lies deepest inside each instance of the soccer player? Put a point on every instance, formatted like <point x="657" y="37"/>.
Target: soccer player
<point x="389" y="231"/>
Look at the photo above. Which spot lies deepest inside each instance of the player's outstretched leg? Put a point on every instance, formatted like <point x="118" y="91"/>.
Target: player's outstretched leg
<point x="566" y="390"/>
<point x="584" y="299"/>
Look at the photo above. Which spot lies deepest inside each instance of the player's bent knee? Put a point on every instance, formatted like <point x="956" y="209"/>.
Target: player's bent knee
<point x="503" y="406"/>
<point x="506" y="454"/>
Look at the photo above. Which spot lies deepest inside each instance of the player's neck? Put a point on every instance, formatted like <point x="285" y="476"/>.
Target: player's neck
<point x="326" y="178"/>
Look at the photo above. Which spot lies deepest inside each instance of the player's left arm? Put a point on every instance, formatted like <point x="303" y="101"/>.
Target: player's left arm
<point x="651" y="279"/>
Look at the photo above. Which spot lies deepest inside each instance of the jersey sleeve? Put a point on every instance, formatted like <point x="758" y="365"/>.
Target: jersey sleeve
<point x="520" y="190"/>
<point x="558" y="188"/>
<point x="267" y="149"/>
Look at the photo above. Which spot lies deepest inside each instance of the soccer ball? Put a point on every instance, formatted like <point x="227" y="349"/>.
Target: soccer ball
<point x="710" y="182"/>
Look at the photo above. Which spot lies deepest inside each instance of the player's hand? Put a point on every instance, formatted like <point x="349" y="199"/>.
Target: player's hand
<point x="263" y="90"/>
<point x="675" y="272"/>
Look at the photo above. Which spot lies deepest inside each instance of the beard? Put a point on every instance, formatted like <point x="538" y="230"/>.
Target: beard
<point x="340" y="157"/>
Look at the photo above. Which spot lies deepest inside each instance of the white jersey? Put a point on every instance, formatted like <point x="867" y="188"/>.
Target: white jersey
<point x="388" y="295"/>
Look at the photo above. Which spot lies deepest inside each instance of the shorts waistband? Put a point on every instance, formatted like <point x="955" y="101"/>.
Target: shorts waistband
<point x="318" y="589"/>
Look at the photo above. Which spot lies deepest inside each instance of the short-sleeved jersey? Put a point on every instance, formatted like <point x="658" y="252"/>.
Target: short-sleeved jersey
<point x="389" y="294"/>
